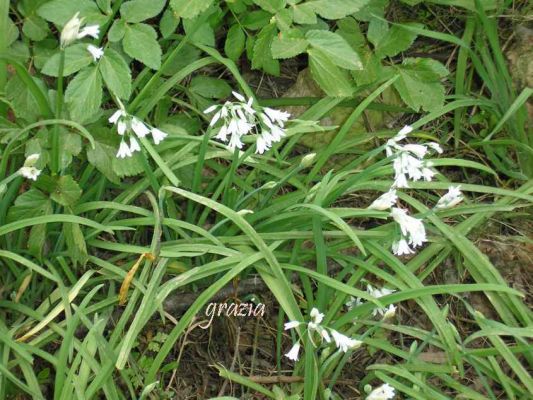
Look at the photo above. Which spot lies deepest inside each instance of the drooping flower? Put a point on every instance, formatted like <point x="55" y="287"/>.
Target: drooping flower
<point x="343" y="342"/>
<point x="96" y="52"/>
<point x="71" y="31"/>
<point x="240" y="118"/>
<point x="450" y="199"/>
<point x="134" y="145"/>
<point x="412" y="228"/>
<point x="390" y="312"/>
<point x="377" y="293"/>
<point x="383" y="392"/>
<point x="139" y="128"/>
<point x="291" y="324"/>
<point x="124" y="150"/>
<point x="28" y="170"/>
<point x="158" y="135"/>
<point x="385" y="201"/>
<point x="401" y="247"/>
<point x="293" y="352"/>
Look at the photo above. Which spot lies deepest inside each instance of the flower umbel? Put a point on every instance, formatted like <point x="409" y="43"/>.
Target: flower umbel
<point x="240" y="118"/>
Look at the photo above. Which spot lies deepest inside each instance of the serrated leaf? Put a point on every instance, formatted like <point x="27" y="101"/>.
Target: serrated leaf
<point x="169" y="23"/>
<point x="203" y="34"/>
<point x="128" y="166"/>
<point x="209" y="87"/>
<point x="286" y="47"/>
<point x="61" y="11"/>
<point x="390" y="42"/>
<point x="140" y="42"/>
<point x="66" y="191"/>
<point x="24" y="104"/>
<point x="304" y="14"/>
<point x="234" y="45"/>
<point x="335" y="47"/>
<point x="332" y="80"/>
<point x="76" y="57"/>
<point x="337" y="9"/>
<point x="117" y="31"/>
<point x="419" y="83"/>
<point x="272" y="6"/>
<point x="262" y="56"/>
<point x="140" y="10"/>
<point x="76" y="246"/>
<point x="84" y="95"/>
<point x="256" y="20"/>
<point x="116" y="73"/>
<point x="189" y="9"/>
<point x="102" y="157"/>
<point x="30" y="204"/>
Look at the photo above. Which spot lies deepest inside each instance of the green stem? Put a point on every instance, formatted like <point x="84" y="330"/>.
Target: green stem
<point x="56" y="154"/>
<point x="4" y="16"/>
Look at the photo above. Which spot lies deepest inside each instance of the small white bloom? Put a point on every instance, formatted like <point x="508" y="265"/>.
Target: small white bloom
<point x="96" y="52"/>
<point x="244" y="211"/>
<point x="291" y="324"/>
<point x="134" y="145"/>
<point x="450" y="199"/>
<point x="238" y="96"/>
<point x="323" y="333"/>
<point x="139" y="128"/>
<point x="261" y="144"/>
<point x="293" y="352"/>
<point x="91" y="30"/>
<point x="412" y="228"/>
<point x="391" y="312"/>
<point x="158" y="135"/>
<point x="401" y="247"/>
<point x="418" y="149"/>
<point x="316" y="315"/>
<point x="406" y="130"/>
<point x="71" y="31"/>
<point x="31" y="160"/>
<point x="343" y="342"/>
<point x="427" y="173"/>
<point x="401" y="181"/>
<point x="116" y="115"/>
<point x="210" y="109"/>
<point x="123" y="150"/>
<point x="277" y="116"/>
<point x="122" y="126"/>
<point x="30" y="172"/>
<point x="383" y="392"/>
<point x="385" y="201"/>
<point x="436" y="147"/>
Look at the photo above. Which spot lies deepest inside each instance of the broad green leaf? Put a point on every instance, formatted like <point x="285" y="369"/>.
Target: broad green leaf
<point x="283" y="20"/>
<point x="116" y="73"/>
<point x="333" y="81"/>
<point x="189" y="9"/>
<point x="256" y="20"/>
<point x="284" y="46"/>
<point x="128" y="166"/>
<point x="76" y="57"/>
<point x="24" y="104"/>
<point x="209" y="87"/>
<point x="35" y="28"/>
<point x="12" y="32"/>
<point x="30" y="204"/>
<point x="140" y="42"/>
<point x="139" y="10"/>
<point x="105" y="6"/>
<point x="102" y="157"/>
<point x="169" y="23"/>
<point x="304" y="13"/>
<point x="272" y="6"/>
<point x="374" y="7"/>
<point x="419" y="83"/>
<point x="389" y="42"/>
<point x="36" y="240"/>
<point x="262" y="56"/>
<point x="234" y="44"/>
<point x="337" y="9"/>
<point x="61" y="11"/>
<point x="336" y="48"/>
<point x="66" y="191"/>
<point x="117" y="31"/>
<point x="203" y="34"/>
<point x="84" y="95"/>
<point x="77" y="249"/>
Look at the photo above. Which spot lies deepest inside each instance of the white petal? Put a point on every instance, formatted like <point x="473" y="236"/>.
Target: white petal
<point x="123" y="150"/>
<point x="122" y="127"/>
<point x="116" y="115"/>
<point x="91" y="30"/>
<point x="210" y="109"/>
<point x="293" y="352"/>
<point x="291" y="324"/>
<point x="96" y="52"/>
<point x="238" y="96"/>
<point x="134" y="145"/>
<point x="140" y="129"/>
<point x="316" y="315"/>
<point x="158" y="135"/>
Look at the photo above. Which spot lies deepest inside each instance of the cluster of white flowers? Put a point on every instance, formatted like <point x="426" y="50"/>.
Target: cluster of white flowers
<point x="126" y="124"/>
<point x="28" y="170"/>
<point x="383" y="392"/>
<point x="73" y="31"/>
<point x="240" y="118"/>
<point x="342" y="342"/>
<point x="385" y="312"/>
<point x="409" y="165"/>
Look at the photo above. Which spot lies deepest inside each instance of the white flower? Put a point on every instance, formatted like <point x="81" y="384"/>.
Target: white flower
<point x="116" y="116"/>
<point x="401" y="247"/>
<point x="435" y="146"/>
<point x="418" y="149"/>
<point x="391" y="312"/>
<point x="406" y="130"/>
<point x="383" y="392"/>
<point x="291" y="324"/>
<point x="71" y="31"/>
<point x="261" y="144"/>
<point x="31" y="160"/>
<point x="293" y="352"/>
<point x="238" y="96"/>
<point x="377" y="293"/>
<point x="30" y="172"/>
<point x="400" y="181"/>
<point x="385" y="201"/>
<point x="316" y="315"/>
<point x="344" y="343"/>
<point x="412" y="228"/>
<point x="123" y="150"/>
<point x="323" y="332"/>
<point x="450" y="199"/>
<point x="277" y="116"/>
<point x="158" y="135"/>
<point x="96" y="52"/>
<point x="134" y="145"/>
<point x="139" y="128"/>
